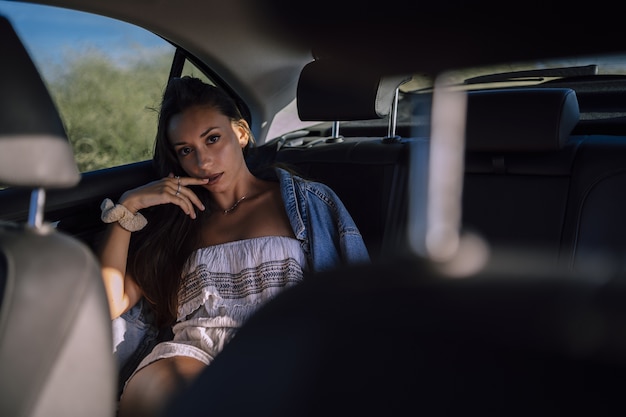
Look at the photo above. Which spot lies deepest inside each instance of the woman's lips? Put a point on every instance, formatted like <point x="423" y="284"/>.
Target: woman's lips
<point x="214" y="178"/>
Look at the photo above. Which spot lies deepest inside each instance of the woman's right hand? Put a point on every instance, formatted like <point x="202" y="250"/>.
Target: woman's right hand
<point x="169" y="190"/>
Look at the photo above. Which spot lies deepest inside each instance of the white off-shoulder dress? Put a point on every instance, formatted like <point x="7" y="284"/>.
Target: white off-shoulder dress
<point x="222" y="286"/>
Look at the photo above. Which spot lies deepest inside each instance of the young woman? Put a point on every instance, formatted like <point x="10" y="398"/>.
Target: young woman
<point x="216" y="241"/>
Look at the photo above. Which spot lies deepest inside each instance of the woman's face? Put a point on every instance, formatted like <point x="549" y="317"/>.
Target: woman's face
<point x="208" y="145"/>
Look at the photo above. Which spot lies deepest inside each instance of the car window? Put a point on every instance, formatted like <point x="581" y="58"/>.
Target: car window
<point x="287" y="120"/>
<point x="190" y="69"/>
<point x="105" y="76"/>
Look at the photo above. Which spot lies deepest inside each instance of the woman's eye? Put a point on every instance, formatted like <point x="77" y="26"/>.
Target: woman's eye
<point x="184" y="151"/>
<point x="213" y="139"/>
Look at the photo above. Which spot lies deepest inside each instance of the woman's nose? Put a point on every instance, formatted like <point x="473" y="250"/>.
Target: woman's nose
<point x="203" y="157"/>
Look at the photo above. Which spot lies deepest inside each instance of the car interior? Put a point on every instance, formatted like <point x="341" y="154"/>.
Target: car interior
<point x="493" y="217"/>
<point x="413" y="334"/>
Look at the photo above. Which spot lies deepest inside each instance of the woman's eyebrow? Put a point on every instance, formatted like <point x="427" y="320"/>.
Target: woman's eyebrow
<point x="206" y="132"/>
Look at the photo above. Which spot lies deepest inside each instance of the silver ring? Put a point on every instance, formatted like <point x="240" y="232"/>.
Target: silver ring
<point x="178" y="190"/>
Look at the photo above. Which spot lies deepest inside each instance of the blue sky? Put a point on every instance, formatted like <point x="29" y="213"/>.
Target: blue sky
<point x="49" y="32"/>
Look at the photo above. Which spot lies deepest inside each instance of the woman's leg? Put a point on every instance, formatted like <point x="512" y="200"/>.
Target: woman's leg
<point x="148" y="391"/>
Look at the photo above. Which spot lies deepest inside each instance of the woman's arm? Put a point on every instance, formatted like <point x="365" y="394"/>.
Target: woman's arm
<point x="122" y="290"/>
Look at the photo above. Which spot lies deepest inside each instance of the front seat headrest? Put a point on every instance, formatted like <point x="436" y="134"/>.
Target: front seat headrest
<point x="34" y="149"/>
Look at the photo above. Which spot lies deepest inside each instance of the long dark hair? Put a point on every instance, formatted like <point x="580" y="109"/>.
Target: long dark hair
<point x="158" y="253"/>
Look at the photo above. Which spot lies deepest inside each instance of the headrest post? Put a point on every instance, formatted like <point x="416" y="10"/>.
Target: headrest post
<point x="393" y="115"/>
<point x="36" y="209"/>
<point x="335" y="137"/>
<point x="335" y="129"/>
<point x="393" y="120"/>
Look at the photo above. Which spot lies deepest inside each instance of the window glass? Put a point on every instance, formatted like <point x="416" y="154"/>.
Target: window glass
<point x="190" y="69"/>
<point x="287" y="120"/>
<point x="105" y="76"/>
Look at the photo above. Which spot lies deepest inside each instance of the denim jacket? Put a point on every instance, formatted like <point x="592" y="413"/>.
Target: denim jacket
<point x="327" y="234"/>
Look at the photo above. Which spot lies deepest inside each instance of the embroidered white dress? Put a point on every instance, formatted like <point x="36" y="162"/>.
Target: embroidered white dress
<point x="222" y="286"/>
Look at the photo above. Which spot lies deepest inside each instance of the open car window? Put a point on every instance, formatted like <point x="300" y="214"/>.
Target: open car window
<point x="105" y="76"/>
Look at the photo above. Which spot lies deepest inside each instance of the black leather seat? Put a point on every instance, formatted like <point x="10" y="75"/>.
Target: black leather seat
<point x="595" y="229"/>
<point x="55" y="327"/>
<point x="368" y="173"/>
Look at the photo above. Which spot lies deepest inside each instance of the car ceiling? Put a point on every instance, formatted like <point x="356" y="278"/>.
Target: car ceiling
<point x="244" y="40"/>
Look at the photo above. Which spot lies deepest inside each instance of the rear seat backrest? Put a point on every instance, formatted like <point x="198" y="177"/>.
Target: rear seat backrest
<point x="595" y="225"/>
<point x="518" y="165"/>
<point x="517" y="172"/>
<point x="370" y="176"/>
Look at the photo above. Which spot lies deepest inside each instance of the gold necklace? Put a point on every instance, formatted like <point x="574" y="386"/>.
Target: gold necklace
<point x="234" y="206"/>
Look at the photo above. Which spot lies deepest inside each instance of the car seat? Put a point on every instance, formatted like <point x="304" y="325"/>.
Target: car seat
<point x="55" y="327"/>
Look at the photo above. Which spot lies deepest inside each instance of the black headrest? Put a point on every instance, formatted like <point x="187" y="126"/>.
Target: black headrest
<point x="530" y="119"/>
<point x="330" y="90"/>
<point x="34" y="150"/>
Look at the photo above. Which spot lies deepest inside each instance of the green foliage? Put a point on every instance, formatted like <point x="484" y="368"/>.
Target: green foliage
<point x="110" y="110"/>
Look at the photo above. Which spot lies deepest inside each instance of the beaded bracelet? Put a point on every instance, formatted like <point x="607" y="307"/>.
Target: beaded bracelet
<point x="118" y="213"/>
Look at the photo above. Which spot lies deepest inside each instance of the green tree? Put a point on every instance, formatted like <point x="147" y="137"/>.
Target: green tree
<point x="109" y="110"/>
